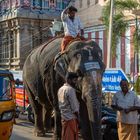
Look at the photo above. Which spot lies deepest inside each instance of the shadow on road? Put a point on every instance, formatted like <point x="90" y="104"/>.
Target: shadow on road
<point x="25" y="124"/>
<point x="24" y="130"/>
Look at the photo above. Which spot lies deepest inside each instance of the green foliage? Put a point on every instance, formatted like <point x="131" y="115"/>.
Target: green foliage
<point x="137" y="86"/>
<point x="119" y="23"/>
<point x="136" y="40"/>
<point x="126" y="4"/>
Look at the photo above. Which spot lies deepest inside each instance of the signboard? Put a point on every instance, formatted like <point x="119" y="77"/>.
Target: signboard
<point x="111" y="79"/>
<point x="20" y="99"/>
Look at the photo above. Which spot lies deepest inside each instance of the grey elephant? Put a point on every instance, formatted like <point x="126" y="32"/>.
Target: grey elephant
<point x="43" y="74"/>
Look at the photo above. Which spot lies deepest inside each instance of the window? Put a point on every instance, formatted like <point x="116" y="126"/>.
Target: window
<point x="26" y="3"/>
<point x="80" y="3"/>
<point x="5" y="88"/>
<point x="11" y="44"/>
<point x="3" y="6"/>
<point x="52" y="3"/>
<point x="59" y="4"/>
<point x="0" y="9"/>
<point x="46" y="4"/>
<point x="37" y="4"/>
<point x="14" y="3"/>
<point x="96" y="1"/>
<point x="15" y="44"/>
<point x="88" y="2"/>
<point x="64" y="4"/>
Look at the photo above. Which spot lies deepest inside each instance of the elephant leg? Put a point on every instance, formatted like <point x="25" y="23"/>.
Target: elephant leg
<point x="39" y="127"/>
<point x="37" y="109"/>
<point x="47" y="112"/>
<point x="57" y="125"/>
<point x="84" y="122"/>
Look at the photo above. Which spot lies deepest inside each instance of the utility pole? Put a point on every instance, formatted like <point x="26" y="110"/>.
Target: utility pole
<point x="110" y="34"/>
<point x="137" y="47"/>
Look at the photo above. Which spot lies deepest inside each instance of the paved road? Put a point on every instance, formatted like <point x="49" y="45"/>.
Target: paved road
<point x="23" y="130"/>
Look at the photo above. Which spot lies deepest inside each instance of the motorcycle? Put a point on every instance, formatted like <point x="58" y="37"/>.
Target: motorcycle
<point x="30" y="113"/>
<point x="109" y="124"/>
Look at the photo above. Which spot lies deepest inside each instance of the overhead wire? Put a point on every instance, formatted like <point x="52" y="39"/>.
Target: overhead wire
<point x="25" y="39"/>
<point x="28" y="43"/>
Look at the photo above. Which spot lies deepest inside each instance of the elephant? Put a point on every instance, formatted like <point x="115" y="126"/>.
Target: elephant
<point x="44" y="73"/>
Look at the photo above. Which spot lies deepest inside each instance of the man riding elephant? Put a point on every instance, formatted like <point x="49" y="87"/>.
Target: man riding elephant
<point x="43" y="76"/>
<point x="73" y="28"/>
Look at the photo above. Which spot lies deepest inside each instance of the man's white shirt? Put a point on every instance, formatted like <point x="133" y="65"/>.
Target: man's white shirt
<point x="71" y="28"/>
<point x="127" y="101"/>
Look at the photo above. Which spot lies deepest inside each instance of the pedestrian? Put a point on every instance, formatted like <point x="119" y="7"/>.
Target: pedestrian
<point x="73" y="27"/>
<point x="127" y="105"/>
<point x="69" y="107"/>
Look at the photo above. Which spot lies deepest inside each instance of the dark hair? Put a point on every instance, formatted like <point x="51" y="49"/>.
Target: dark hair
<point x="123" y="80"/>
<point x="71" y="75"/>
<point x="71" y="8"/>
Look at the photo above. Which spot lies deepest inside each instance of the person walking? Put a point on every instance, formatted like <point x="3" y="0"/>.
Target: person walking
<point x="69" y="107"/>
<point x="127" y="105"/>
<point x="73" y="27"/>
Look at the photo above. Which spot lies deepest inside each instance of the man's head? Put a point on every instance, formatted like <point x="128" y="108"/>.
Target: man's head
<point x="71" y="78"/>
<point x="124" y="85"/>
<point x="71" y="12"/>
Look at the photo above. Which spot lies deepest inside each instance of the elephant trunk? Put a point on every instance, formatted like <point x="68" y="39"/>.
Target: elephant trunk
<point x="94" y="114"/>
<point x="92" y="95"/>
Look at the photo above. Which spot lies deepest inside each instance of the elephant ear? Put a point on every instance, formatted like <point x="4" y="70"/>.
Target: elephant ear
<point x="61" y="66"/>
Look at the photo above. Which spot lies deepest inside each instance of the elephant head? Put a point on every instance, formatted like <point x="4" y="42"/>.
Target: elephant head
<point x="85" y="58"/>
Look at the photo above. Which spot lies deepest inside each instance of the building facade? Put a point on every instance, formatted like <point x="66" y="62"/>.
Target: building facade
<point x="90" y="12"/>
<point x="24" y="25"/>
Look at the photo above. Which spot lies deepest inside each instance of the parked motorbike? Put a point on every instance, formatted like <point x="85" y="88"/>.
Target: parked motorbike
<point x="109" y="124"/>
<point x="30" y="113"/>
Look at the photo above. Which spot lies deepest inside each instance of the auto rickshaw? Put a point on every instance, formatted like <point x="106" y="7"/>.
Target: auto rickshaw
<point x="7" y="104"/>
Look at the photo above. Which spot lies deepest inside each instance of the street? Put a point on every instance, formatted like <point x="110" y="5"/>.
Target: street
<point x="23" y="130"/>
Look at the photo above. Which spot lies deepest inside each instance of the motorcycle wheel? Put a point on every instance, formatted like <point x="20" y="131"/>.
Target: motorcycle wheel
<point x="31" y="116"/>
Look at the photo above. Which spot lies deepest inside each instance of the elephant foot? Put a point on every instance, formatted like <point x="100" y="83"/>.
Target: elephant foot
<point x="50" y="130"/>
<point x="39" y="134"/>
<point x="56" y="137"/>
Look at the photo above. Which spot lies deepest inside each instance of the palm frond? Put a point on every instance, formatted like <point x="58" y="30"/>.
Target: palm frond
<point x="126" y="5"/>
<point x="119" y="23"/>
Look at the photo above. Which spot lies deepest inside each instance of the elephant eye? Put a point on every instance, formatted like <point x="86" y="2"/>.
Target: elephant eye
<point x="79" y="73"/>
<point x="78" y="55"/>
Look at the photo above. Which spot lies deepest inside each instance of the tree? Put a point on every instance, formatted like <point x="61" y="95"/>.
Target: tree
<point x="137" y="85"/>
<point x="120" y="23"/>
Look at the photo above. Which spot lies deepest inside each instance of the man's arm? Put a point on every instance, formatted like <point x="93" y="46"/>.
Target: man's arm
<point x="115" y="104"/>
<point x="64" y="14"/>
<point x="135" y="107"/>
<point x="73" y="102"/>
<point x="116" y="107"/>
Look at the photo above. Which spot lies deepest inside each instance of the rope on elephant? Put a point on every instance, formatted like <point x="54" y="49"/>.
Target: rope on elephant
<point x="51" y="40"/>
